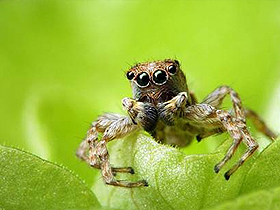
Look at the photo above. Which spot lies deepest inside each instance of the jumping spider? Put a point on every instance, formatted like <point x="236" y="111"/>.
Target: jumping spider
<point x="163" y="106"/>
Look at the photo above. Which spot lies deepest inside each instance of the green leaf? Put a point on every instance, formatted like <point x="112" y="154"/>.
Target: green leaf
<point x="259" y="200"/>
<point x="180" y="181"/>
<point x="264" y="173"/>
<point x="59" y="70"/>
<point x="28" y="182"/>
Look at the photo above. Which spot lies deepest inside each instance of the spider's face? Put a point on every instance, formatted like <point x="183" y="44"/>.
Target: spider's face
<point x="156" y="81"/>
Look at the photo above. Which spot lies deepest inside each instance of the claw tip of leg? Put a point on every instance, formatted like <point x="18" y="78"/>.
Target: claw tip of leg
<point x="145" y="183"/>
<point x="227" y="176"/>
<point x="132" y="171"/>
<point x="216" y="169"/>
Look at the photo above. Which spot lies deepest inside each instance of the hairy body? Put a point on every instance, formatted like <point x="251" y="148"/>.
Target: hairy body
<point x="163" y="106"/>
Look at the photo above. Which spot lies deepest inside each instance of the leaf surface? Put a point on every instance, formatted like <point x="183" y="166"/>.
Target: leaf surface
<point x="180" y="181"/>
<point x="29" y="182"/>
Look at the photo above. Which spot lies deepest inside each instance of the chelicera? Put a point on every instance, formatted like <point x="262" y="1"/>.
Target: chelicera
<point x="163" y="105"/>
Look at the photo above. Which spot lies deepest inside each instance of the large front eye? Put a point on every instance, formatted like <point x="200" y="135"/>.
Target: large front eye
<point x="159" y="77"/>
<point x="143" y="79"/>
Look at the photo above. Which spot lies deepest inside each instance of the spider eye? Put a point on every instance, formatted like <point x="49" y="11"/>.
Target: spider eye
<point x="130" y="75"/>
<point x="177" y="62"/>
<point x="143" y="79"/>
<point x="172" y="69"/>
<point x="159" y="77"/>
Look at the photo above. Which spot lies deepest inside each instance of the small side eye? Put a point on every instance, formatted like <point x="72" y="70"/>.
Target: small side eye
<point x="130" y="75"/>
<point x="160" y="77"/>
<point x="143" y="79"/>
<point x="172" y="69"/>
<point x="177" y="62"/>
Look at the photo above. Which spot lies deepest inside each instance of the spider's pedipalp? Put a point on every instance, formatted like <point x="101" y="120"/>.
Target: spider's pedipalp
<point x="171" y="109"/>
<point x="144" y="114"/>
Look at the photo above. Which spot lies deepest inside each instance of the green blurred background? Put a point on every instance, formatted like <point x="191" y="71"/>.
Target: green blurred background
<point x="62" y="63"/>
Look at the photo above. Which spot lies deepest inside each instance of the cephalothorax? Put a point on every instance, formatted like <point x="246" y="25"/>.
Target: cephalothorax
<point x="163" y="106"/>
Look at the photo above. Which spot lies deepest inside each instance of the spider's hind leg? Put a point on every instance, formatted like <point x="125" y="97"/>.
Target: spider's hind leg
<point x="216" y="98"/>
<point x="204" y="135"/>
<point x="260" y="124"/>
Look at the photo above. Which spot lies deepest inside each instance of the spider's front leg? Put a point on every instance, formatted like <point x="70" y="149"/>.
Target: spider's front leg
<point x="216" y="98"/>
<point x="87" y="150"/>
<point x="207" y="116"/>
<point x="115" y="126"/>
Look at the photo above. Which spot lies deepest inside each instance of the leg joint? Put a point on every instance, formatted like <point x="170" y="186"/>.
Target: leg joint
<point x="253" y="146"/>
